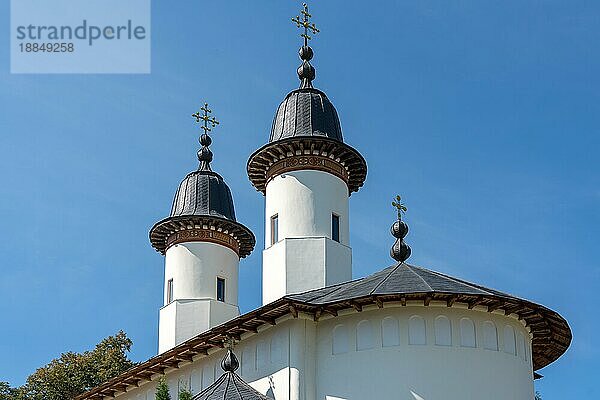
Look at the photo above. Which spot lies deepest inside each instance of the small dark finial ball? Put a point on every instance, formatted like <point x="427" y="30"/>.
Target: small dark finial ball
<point x="205" y="140"/>
<point x="399" y="229"/>
<point x="306" y="53"/>
<point x="204" y="154"/>
<point x="230" y="362"/>
<point x="306" y="71"/>
<point x="400" y="251"/>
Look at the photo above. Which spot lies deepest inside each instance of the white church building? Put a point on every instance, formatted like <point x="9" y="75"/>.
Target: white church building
<point x="405" y="332"/>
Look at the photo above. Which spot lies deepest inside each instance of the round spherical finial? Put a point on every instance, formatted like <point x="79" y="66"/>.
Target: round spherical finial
<point x="400" y="251"/>
<point x="208" y="122"/>
<point x="306" y="53"/>
<point x="205" y="140"/>
<point x="399" y="229"/>
<point x="205" y="155"/>
<point x="230" y="362"/>
<point x="306" y="73"/>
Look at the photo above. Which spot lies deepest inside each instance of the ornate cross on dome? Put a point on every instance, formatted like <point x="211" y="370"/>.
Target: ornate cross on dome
<point x="206" y="118"/>
<point x="400" y="251"/>
<point x="399" y="206"/>
<point x="205" y="156"/>
<point x="306" y="24"/>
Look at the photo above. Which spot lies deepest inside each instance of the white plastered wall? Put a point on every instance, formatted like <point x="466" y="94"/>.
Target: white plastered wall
<point x="368" y="366"/>
<point x="194" y="268"/>
<point x="294" y="360"/>
<point x="305" y="256"/>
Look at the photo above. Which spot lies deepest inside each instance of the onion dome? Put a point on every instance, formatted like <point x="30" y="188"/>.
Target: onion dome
<point x="203" y="208"/>
<point x="306" y="131"/>
<point x="306" y="112"/>
<point x="203" y="193"/>
<point x="230" y="386"/>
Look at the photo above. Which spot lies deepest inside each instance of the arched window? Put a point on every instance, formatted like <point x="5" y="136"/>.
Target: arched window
<point x="490" y="336"/>
<point x="467" y="333"/>
<point x="218" y="371"/>
<point x="262" y="354"/>
<point x="364" y="335"/>
<point x="443" y="331"/>
<point x="416" y="330"/>
<point x="248" y="365"/>
<point x="207" y="376"/>
<point x="340" y="340"/>
<point x="390" y="332"/>
<point x="527" y="350"/>
<point x="509" y="340"/>
<point x="277" y="348"/>
<point x="196" y="381"/>
<point x="521" y="345"/>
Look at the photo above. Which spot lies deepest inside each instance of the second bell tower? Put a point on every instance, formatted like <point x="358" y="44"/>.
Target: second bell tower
<point x="307" y="174"/>
<point x="202" y="243"/>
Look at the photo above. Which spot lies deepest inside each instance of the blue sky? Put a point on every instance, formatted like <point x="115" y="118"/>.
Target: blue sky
<point x="484" y="115"/>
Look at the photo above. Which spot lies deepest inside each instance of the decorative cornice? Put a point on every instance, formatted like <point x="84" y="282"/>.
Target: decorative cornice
<point x="203" y="235"/>
<point x="307" y="152"/>
<point x="319" y="163"/>
<point x="551" y="334"/>
<point x="202" y="228"/>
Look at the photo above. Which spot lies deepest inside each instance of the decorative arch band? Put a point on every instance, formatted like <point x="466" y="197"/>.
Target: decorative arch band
<point x="302" y="162"/>
<point x="203" y="235"/>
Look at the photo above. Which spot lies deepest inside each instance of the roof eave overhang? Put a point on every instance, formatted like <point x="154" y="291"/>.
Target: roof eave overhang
<point x="162" y="230"/>
<point x="551" y="333"/>
<point x="352" y="162"/>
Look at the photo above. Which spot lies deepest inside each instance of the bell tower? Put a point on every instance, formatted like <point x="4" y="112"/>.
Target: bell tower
<point x="307" y="174"/>
<point x="202" y="243"/>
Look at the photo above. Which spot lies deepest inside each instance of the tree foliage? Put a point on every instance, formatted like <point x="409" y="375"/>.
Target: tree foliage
<point x="162" y="390"/>
<point x="185" y="394"/>
<point x="74" y="373"/>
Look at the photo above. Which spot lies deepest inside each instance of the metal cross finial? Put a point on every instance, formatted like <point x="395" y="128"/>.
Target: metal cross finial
<point x="229" y="343"/>
<point x="399" y="206"/>
<point x="306" y="24"/>
<point x="207" y="120"/>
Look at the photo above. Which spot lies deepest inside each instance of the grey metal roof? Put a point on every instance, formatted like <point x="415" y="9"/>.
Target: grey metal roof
<point x="203" y="192"/>
<point x="306" y="112"/>
<point x="202" y="199"/>
<point x="551" y="334"/>
<point x="230" y="387"/>
<point x="395" y="280"/>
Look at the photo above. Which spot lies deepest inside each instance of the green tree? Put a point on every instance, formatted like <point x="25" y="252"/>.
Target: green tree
<point x="74" y="373"/>
<point x="6" y="392"/>
<point x="162" y="390"/>
<point x="185" y="393"/>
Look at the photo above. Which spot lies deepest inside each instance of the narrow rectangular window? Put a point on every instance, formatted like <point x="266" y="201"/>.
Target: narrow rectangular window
<point x="274" y="229"/>
<point x="169" y="291"/>
<point x="335" y="227"/>
<point x="220" y="289"/>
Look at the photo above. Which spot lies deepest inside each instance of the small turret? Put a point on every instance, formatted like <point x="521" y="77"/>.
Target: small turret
<point x="202" y="243"/>
<point x="307" y="174"/>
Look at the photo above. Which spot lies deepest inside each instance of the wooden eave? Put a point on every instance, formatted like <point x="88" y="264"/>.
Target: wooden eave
<point x="551" y="334"/>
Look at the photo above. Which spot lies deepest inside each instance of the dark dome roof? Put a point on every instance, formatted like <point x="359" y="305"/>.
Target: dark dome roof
<point x="306" y="112"/>
<point x="203" y="193"/>
<point x="230" y="386"/>
<point x="404" y="282"/>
